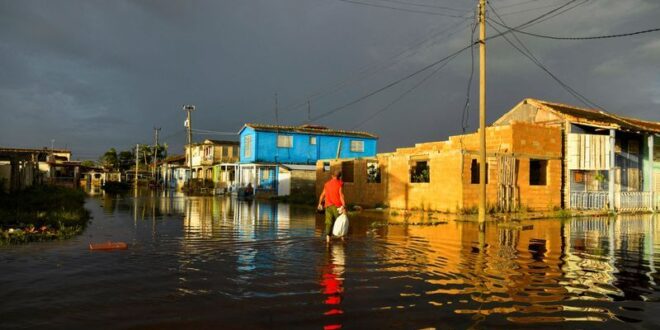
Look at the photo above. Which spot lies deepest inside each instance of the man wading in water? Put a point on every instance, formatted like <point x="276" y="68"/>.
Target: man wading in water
<point x="334" y="201"/>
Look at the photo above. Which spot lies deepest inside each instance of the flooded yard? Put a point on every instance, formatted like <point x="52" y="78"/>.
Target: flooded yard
<point x="215" y="262"/>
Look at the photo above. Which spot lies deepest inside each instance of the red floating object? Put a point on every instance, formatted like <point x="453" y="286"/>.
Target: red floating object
<point x="108" y="246"/>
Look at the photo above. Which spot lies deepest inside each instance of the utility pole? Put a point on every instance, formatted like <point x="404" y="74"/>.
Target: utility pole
<point x="137" y="160"/>
<point x="188" y="109"/>
<point x="155" y="160"/>
<point x="482" y="110"/>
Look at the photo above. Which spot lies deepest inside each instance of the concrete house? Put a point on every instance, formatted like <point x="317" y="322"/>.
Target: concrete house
<point x="444" y="176"/>
<point x="609" y="161"/>
<point x="280" y="160"/>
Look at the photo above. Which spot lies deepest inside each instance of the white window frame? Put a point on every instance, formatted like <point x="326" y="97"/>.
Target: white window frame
<point x="247" y="144"/>
<point x="312" y="140"/>
<point x="285" y="141"/>
<point x="357" y="146"/>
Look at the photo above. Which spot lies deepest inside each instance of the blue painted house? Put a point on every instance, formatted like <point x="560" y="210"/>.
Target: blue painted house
<point x="279" y="159"/>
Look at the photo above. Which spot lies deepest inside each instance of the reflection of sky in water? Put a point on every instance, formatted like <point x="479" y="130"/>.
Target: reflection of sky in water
<point x="260" y="264"/>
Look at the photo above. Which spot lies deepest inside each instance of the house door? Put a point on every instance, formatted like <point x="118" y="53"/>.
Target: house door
<point x="507" y="191"/>
<point x="284" y="184"/>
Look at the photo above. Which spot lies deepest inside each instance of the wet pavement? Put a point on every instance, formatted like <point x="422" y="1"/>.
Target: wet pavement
<point x="214" y="262"/>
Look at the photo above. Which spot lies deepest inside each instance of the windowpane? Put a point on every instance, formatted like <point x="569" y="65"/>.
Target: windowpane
<point x="247" y="145"/>
<point x="357" y="146"/>
<point x="312" y="140"/>
<point x="284" y="141"/>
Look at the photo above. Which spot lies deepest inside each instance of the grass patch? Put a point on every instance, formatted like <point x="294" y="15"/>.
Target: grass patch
<point x="42" y="213"/>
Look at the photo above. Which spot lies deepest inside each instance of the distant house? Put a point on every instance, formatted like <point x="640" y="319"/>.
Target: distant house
<point x="280" y="160"/>
<point x="173" y="172"/>
<point x="215" y="161"/>
<point x="23" y="167"/>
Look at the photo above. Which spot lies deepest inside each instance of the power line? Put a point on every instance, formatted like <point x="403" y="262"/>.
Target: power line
<point x="423" y="5"/>
<point x="517" y="4"/>
<point x="527" y="53"/>
<point x="526" y="24"/>
<point x="465" y="116"/>
<point x="401" y="9"/>
<point x="396" y="82"/>
<point x="607" y="36"/>
<point x="373" y="69"/>
<point x="408" y="91"/>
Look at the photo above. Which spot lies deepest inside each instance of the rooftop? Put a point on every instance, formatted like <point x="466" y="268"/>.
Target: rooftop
<point x="310" y="129"/>
<point x="598" y="117"/>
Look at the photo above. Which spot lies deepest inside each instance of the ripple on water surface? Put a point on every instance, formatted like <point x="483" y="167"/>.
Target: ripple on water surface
<point x="210" y="261"/>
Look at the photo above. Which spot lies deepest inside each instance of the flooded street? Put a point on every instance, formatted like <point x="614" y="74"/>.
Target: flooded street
<point x="214" y="262"/>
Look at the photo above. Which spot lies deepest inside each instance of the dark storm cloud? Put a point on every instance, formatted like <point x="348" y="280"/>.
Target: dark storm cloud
<point x="100" y="74"/>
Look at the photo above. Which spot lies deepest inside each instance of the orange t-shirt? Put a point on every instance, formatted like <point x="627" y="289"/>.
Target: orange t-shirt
<point x="331" y="189"/>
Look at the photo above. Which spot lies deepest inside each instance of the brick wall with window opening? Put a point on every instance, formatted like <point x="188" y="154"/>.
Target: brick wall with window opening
<point x="373" y="172"/>
<point x="538" y="172"/>
<point x="420" y="172"/>
<point x="474" y="172"/>
<point x="347" y="171"/>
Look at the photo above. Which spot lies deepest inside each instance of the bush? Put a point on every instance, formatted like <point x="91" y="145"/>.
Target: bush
<point x="41" y="213"/>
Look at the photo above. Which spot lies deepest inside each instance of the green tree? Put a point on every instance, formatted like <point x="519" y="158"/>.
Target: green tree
<point x="110" y="159"/>
<point x="126" y="160"/>
<point x="88" y="163"/>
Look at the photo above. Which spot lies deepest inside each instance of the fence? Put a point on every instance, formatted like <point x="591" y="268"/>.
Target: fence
<point x="633" y="201"/>
<point x="589" y="200"/>
<point x="624" y="201"/>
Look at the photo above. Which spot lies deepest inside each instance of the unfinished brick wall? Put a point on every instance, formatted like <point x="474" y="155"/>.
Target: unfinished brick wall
<point x="303" y="183"/>
<point x="360" y="191"/>
<point x="450" y="187"/>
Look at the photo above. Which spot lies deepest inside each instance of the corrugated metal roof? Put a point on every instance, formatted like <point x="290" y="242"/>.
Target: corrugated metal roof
<point x="314" y="129"/>
<point x="599" y="117"/>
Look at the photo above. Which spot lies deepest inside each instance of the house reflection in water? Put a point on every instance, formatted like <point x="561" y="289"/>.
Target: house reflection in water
<point x="524" y="270"/>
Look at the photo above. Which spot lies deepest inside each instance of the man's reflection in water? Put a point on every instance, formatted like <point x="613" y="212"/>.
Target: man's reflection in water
<point x="332" y="283"/>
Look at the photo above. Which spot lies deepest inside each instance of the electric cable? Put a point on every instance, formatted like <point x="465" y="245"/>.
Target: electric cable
<point x="408" y="91"/>
<point x="401" y="9"/>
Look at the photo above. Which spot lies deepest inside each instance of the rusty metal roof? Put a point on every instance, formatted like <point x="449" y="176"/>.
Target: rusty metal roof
<point x="598" y="117"/>
<point x="310" y="129"/>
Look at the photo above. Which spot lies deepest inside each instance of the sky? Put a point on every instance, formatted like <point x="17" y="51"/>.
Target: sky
<point x="89" y="75"/>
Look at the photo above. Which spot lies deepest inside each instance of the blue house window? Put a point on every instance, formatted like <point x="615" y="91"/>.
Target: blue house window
<point x="285" y="141"/>
<point x="312" y="140"/>
<point x="357" y="146"/>
<point x="247" y="146"/>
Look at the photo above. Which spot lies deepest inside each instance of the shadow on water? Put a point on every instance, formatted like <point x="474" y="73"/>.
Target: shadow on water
<point x="220" y="262"/>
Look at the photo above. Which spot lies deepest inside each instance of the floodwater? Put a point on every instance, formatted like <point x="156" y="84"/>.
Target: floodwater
<point x="214" y="262"/>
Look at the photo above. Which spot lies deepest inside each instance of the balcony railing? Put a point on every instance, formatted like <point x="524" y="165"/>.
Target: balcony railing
<point x="624" y="201"/>
<point x="633" y="201"/>
<point x="589" y="200"/>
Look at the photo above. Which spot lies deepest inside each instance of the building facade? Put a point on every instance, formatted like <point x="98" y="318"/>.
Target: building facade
<point x="540" y="156"/>
<point x="215" y="161"/>
<point x="609" y="161"/>
<point x="280" y="160"/>
<point x="444" y="176"/>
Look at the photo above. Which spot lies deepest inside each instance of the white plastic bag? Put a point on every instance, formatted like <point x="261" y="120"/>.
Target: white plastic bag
<point x="340" y="229"/>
